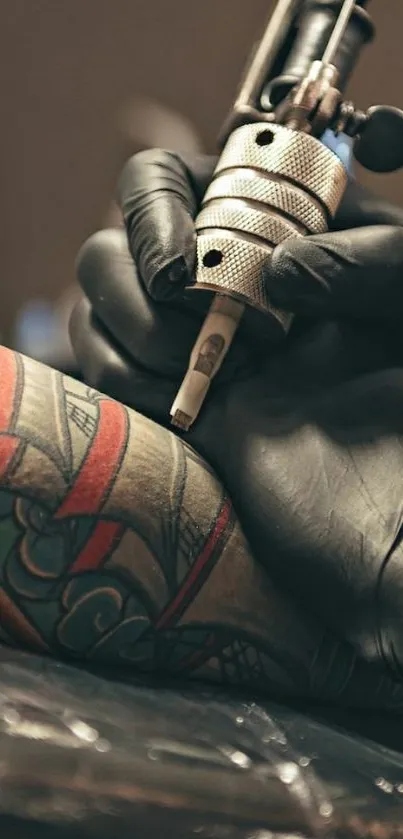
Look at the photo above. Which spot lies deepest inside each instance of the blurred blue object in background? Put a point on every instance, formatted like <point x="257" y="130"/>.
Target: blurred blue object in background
<point x="342" y="146"/>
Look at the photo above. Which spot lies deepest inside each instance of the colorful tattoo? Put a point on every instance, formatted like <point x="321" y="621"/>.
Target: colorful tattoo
<point x="119" y="545"/>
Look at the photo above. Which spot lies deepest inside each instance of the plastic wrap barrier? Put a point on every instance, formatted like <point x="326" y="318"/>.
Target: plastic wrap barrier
<point x="85" y="756"/>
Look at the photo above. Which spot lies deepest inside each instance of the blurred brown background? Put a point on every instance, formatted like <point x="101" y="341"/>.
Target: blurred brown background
<point x="73" y="68"/>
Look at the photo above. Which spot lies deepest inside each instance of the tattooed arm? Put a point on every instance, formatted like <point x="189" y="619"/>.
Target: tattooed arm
<point x="119" y="545"/>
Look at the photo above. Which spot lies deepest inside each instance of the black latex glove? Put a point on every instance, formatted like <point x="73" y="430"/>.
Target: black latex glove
<point x="310" y="444"/>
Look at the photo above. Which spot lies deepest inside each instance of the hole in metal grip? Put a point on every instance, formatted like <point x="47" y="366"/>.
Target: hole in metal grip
<point x="212" y="258"/>
<point x="265" y="138"/>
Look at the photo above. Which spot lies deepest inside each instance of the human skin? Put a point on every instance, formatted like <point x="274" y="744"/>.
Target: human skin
<point x="119" y="546"/>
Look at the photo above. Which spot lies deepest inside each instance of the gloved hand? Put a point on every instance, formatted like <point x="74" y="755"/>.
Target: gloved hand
<point x="308" y="437"/>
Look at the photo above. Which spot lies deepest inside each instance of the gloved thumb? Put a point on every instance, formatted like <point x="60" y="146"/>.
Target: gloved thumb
<point x="353" y="273"/>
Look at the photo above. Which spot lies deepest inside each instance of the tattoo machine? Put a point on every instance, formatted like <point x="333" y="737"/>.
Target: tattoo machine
<point x="287" y="150"/>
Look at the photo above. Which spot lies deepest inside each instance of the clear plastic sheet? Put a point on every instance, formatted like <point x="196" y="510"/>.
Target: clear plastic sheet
<point x="82" y="756"/>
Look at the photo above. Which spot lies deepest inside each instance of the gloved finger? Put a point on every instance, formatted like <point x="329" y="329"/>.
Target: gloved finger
<point x="158" y="336"/>
<point x="361" y="208"/>
<point x="159" y="194"/>
<point x="105" y="367"/>
<point x="354" y="273"/>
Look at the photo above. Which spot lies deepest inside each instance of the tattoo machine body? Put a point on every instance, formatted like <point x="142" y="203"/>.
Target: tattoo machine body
<point x="286" y="153"/>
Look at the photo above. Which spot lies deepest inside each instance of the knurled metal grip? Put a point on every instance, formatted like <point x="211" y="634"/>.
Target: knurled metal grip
<point x="270" y="183"/>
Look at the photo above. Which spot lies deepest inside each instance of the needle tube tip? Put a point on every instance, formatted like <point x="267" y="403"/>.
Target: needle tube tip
<point x="181" y="420"/>
<point x="208" y="354"/>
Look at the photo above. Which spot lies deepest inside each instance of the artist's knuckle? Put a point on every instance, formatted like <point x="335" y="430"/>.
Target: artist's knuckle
<point x="92" y="247"/>
<point x="147" y="159"/>
<point x="145" y="172"/>
<point x="95" y="253"/>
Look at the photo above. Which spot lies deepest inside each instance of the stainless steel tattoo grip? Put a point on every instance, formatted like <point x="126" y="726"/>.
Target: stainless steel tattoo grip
<point x="271" y="183"/>
<point x="276" y="177"/>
